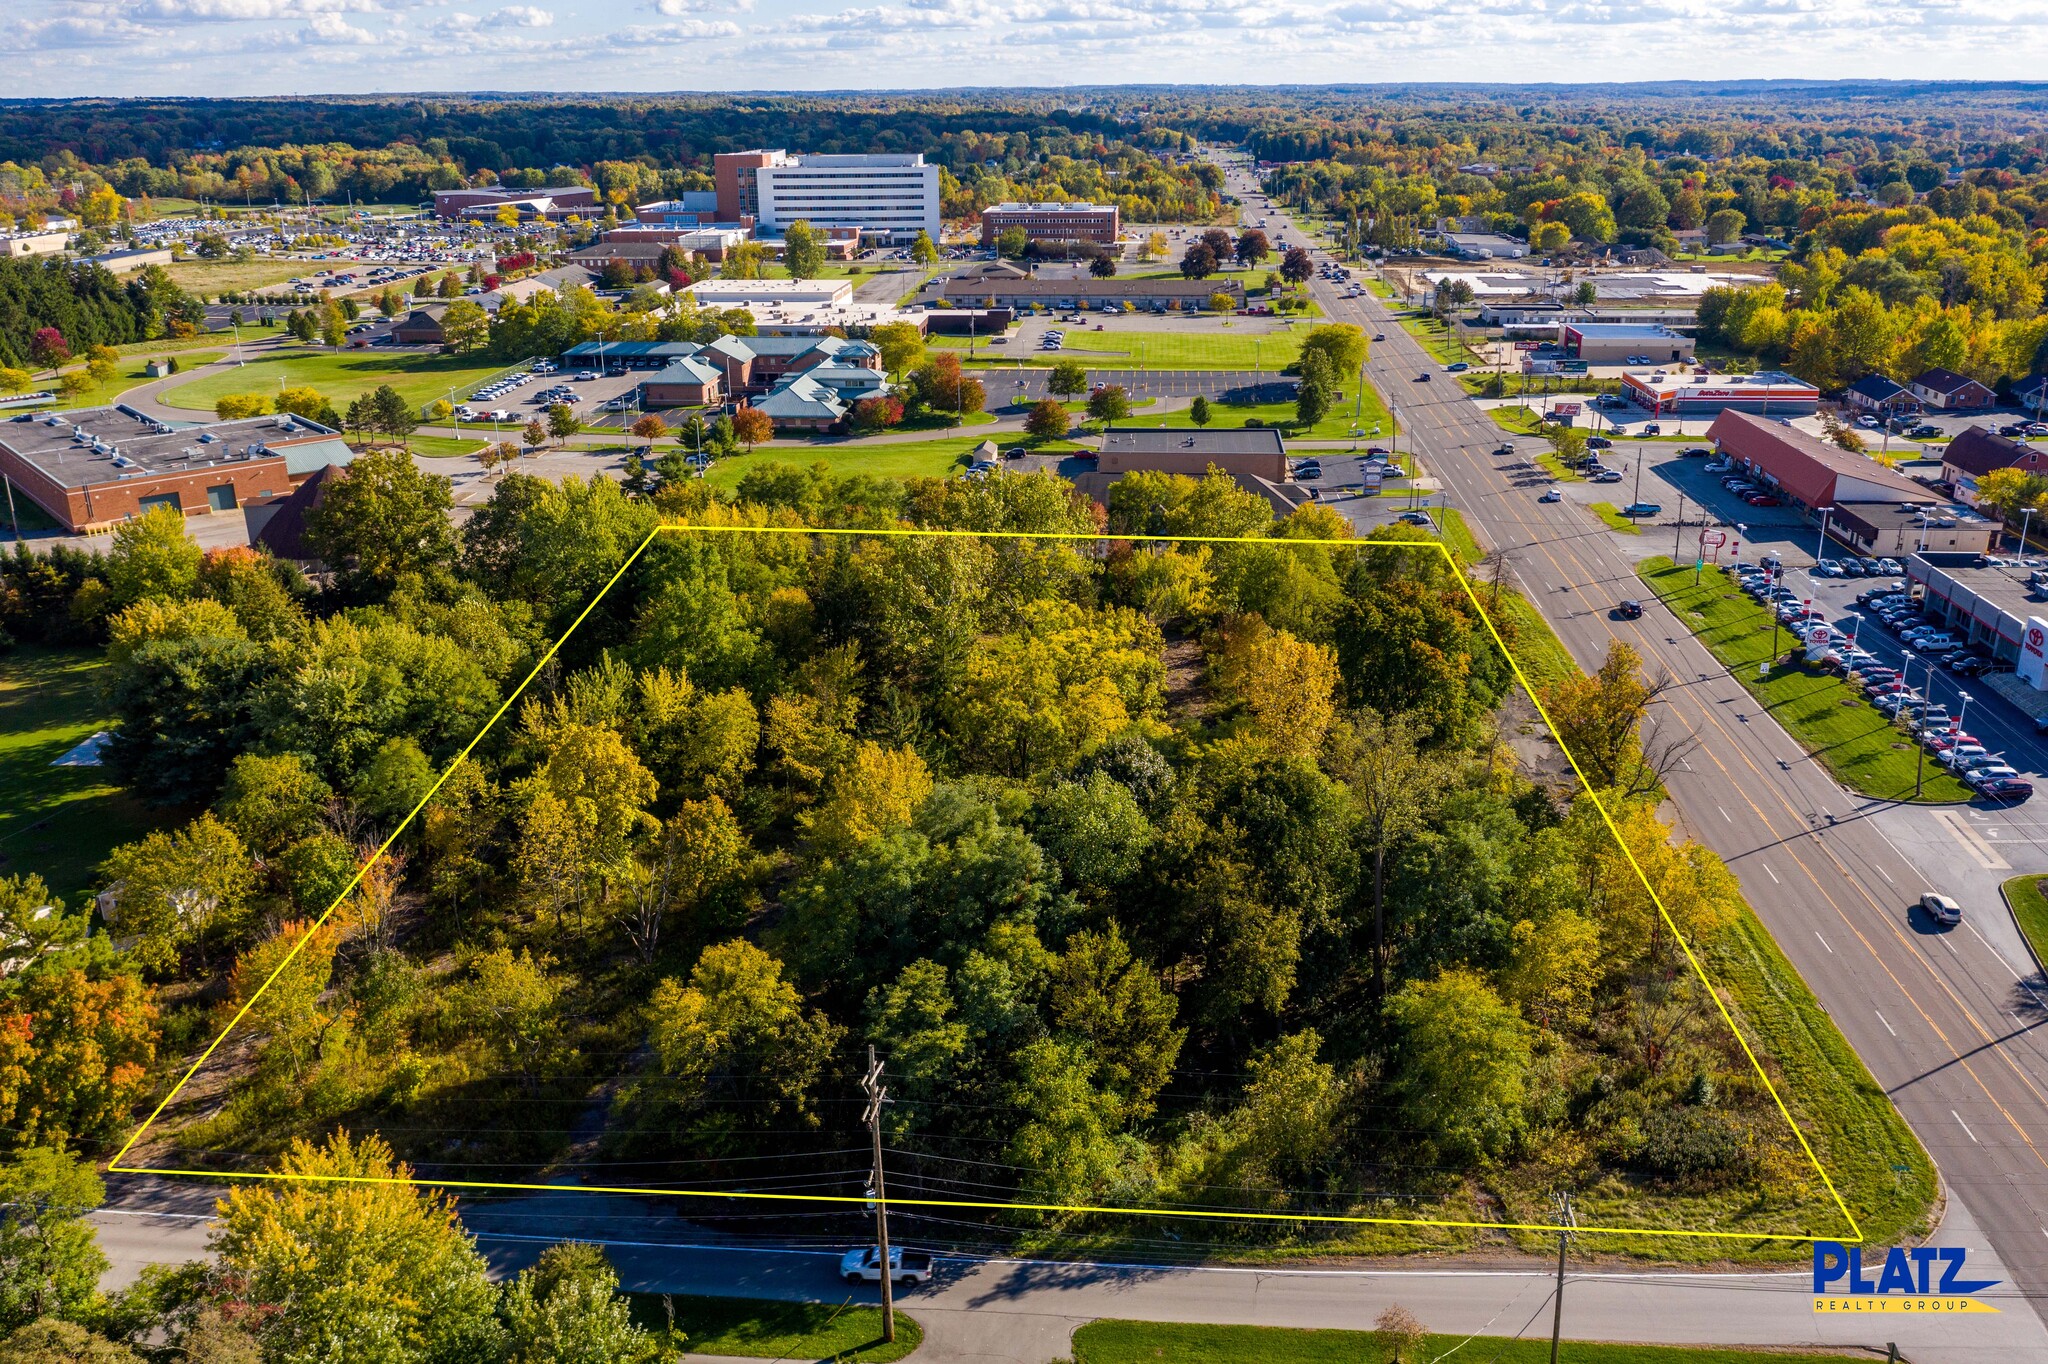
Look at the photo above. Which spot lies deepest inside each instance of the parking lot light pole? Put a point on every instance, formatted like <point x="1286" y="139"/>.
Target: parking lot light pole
<point x="2026" y="520"/>
<point x="1822" y="552"/>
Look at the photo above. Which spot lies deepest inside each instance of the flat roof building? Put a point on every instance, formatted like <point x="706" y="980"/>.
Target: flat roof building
<point x="1620" y="343"/>
<point x="553" y="201"/>
<point x="771" y="293"/>
<point x="1484" y="246"/>
<point x="45" y="243"/>
<point x="97" y="466"/>
<point x="1897" y="529"/>
<point x="2000" y="609"/>
<point x="889" y="196"/>
<point x="1681" y="392"/>
<point x="1257" y="450"/>
<point x="1078" y="222"/>
<point x="991" y="289"/>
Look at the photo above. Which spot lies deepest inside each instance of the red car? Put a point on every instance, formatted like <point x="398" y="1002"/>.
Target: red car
<point x="1762" y="500"/>
<point x="2007" y="789"/>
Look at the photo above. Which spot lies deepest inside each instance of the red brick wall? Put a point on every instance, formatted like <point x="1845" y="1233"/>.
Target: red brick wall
<point x="107" y="503"/>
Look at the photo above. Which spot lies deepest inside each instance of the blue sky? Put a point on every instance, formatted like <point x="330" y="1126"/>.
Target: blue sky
<point x="278" y="47"/>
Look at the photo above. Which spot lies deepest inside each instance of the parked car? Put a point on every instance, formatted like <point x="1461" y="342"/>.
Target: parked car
<point x="2010" y="789"/>
<point x="1641" y="509"/>
<point x="863" y="1264"/>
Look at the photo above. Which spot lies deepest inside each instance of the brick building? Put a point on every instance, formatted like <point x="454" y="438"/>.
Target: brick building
<point x="97" y="466"/>
<point x="1096" y="223"/>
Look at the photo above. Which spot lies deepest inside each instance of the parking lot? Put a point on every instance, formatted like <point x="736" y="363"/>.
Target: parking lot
<point x="522" y="400"/>
<point x="2001" y="729"/>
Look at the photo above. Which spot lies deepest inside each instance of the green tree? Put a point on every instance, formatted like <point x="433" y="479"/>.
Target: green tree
<point x="382" y="517"/>
<point x="737" y="1029"/>
<point x="901" y="344"/>
<point x="923" y="252"/>
<point x="1110" y="403"/>
<point x="1069" y="1141"/>
<point x="1012" y="243"/>
<point x="50" y="1265"/>
<point x="803" y="250"/>
<point x="466" y="326"/>
<point x="1725" y="225"/>
<point x="1464" y="1058"/>
<point x="1340" y="344"/>
<point x="53" y="1341"/>
<point x="1116" y="1003"/>
<point x="1067" y="379"/>
<point x="1379" y="758"/>
<point x="373" y="1272"/>
<point x="1199" y="411"/>
<point x="272" y="802"/>
<point x="173" y="888"/>
<point x="567" y="1309"/>
<point x="394" y="781"/>
<point x="152" y="556"/>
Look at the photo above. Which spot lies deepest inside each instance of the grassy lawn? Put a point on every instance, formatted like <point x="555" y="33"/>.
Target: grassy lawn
<point x="132" y="374"/>
<point x="1459" y="536"/>
<point x="1146" y="1342"/>
<point x="1557" y="468"/>
<point x="901" y="459"/>
<point x="1335" y="425"/>
<point x="339" y="376"/>
<point x="1611" y="514"/>
<point x="1824" y="712"/>
<point x="216" y="277"/>
<point x="1523" y="421"/>
<point x="1438" y="339"/>
<point x="779" y="1330"/>
<point x="2030" y="909"/>
<point x="58" y="822"/>
<point x="1160" y="350"/>
<point x="448" y="447"/>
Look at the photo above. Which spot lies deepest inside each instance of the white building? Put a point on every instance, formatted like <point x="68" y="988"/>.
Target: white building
<point x="771" y="293"/>
<point x="887" y="196"/>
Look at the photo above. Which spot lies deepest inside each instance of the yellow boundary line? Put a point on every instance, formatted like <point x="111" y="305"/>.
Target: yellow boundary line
<point x="1855" y="1235"/>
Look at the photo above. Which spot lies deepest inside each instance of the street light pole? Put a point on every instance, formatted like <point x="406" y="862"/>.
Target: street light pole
<point x="1822" y="552"/>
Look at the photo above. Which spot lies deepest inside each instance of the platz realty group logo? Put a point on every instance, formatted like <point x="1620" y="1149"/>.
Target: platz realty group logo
<point x="1924" y="1279"/>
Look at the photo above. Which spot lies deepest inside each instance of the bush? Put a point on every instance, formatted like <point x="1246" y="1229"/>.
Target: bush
<point x="1690" y="1144"/>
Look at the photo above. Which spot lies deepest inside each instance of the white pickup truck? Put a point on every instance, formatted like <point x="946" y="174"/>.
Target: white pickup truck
<point x="863" y="1264"/>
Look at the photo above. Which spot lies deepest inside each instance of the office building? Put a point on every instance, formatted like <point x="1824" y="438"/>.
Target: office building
<point x="889" y="197"/>
<point x="1095" y="223"/>
<point x="556" y="201"/>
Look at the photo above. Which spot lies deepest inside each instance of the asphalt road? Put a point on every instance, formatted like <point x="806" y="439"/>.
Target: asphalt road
<point x="1020" y="1311"/>
<point x="1949" y="1026"/>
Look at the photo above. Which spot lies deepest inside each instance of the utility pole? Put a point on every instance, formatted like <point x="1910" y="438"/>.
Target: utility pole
<point x="877" y="1096"/>
<point x="1566" y="1225"/>
<point x="1677" y="529"/>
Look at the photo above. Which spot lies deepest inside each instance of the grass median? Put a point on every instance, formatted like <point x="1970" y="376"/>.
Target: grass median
<point x="2030" y="910"/>
<point x="1824" y="711"/>
<point x="1611" y="514"/>
<point x="1146" y="1342"/>
<point x="756" y="1329"/>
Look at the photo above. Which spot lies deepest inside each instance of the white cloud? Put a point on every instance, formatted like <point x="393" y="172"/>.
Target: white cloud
<point x="676" y="8"/>
<point x="526" y="16"/>
<point x="669" y="35"/>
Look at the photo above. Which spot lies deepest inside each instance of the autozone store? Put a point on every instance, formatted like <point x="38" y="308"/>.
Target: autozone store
<point x="1686" y="395"/>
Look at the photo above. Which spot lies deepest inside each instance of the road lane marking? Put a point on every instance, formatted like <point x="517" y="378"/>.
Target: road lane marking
<point x="1724" y="814"/>
<point x="1887" y="1027"/>
<point x="1987" y="856"/>
<point x="1965" y="1126"/>
<point x="1823" y="942"/>
<point x="1768" y="872"/>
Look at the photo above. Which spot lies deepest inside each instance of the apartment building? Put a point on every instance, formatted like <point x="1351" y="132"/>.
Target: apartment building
<point x="889" y="197"/>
